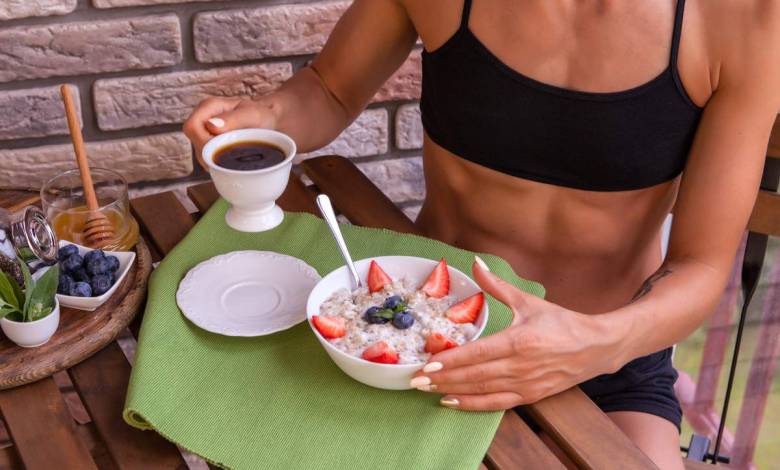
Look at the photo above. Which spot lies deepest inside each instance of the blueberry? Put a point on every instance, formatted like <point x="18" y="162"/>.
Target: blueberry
<point x="64" y="284"/>
<point x="81" y="289"/>
<point x="113" y="263"/>
<point x="79" y="275"/>
<point x="72" y="262"/>
<point x="66" y="251"/>
<point x="94" y="254"/>
<point x="97" y="265"/>
<point x="373" y="316"/>
<point x="392" y="302"/>
<point x="403" y="320"/>
<point x="100" y="284"/>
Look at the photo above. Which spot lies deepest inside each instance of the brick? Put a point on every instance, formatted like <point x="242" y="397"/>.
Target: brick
<point x="123" y="103"/>
<point x="12" y="9"/>
<point x="34" y="112"/>
<point x="264" y="32"/>
<point x="405" y="83"/>
<point x="366" y="136"/>
<point x="408" y="127"/>
<point x="400" y="179"/>
<point x="149" y="158"/>
<point x="89" y="47"/>
<point x="128" y="3"/>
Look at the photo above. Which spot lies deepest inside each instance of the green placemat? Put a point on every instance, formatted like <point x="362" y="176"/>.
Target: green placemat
<point x="278" y="401"/>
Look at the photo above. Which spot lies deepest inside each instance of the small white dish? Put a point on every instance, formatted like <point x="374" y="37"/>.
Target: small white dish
<point x="247" y="293"/>
<point x="90" y="304"/>
<point x="386" y="376"/>
<point x="35" y="333"/>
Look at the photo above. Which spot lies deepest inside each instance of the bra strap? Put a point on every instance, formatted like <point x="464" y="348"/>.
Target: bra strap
<point x="464" y="17"/>
<point x="678" y="21"/>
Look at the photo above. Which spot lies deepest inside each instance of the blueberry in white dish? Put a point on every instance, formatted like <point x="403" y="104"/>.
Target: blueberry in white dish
<point x="72" y="262"/>
<point x="80" y="289"/>
<point x="66" y="251"/>
<point x="101" y="283"/>
<point x="113" y="263"/>
<point x="65" y="281"/>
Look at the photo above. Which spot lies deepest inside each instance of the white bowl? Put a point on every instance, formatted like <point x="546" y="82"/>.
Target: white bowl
<point x="252" y="194"/>
<point x="89" y="304"/>
<point x="34" y="333"/>
<point x="386" y="376"/>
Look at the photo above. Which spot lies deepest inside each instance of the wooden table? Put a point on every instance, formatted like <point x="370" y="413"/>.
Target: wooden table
<point x="44" y="432"/>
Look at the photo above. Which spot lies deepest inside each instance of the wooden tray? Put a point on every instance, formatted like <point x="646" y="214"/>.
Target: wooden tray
<point x="80" y="334"/>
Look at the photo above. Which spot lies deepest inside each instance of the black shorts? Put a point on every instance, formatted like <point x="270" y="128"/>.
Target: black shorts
<point x="645" y="384"/>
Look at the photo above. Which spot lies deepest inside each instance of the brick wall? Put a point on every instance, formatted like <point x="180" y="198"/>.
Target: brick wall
<point x="137" y="68"/>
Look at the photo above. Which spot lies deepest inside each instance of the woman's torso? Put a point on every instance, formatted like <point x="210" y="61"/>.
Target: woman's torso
<point x="591" y="249"/>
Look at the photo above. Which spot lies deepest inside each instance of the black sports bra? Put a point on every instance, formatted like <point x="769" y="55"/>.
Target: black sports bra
<point x="480" y="109"/>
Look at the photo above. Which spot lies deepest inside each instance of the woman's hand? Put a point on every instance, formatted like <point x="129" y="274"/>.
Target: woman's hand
<point x="547" y="349"/>
<point x="214" y="116"/>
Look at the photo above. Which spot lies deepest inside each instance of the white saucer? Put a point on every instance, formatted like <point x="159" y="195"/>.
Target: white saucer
<point x="247" y="293"/>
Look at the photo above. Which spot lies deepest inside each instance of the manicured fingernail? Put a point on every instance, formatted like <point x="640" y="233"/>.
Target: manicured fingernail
<point x="427" y="388"/>
<point x="449" y="402"/>
<point x="481" y="263"/>
<point x="433" y="367"/>
<point x="418" y="381"/>
<point x="217" y="122"/>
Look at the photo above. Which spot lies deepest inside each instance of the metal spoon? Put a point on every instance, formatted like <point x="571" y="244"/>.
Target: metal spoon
<point x="326" y="209"/>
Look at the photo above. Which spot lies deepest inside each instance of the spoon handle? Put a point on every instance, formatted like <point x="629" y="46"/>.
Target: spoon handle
<point x="326" y="209"/>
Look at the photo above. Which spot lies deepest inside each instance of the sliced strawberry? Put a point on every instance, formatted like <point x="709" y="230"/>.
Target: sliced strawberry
<point x="377" y="278"/>
<point x="438" y="282"/>
<point x="381" y="352"/>
<point x="437" y="342"/>
<point x="467" y="310"/>
<point x="329" y="327"/>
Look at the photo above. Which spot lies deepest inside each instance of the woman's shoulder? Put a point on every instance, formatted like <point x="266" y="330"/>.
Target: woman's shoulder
<point x="742" y="40"/>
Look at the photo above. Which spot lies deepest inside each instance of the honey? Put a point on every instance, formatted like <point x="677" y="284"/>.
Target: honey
<point x="69" y="225"/>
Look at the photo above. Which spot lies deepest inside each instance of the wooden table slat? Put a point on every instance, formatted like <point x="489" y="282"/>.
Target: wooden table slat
<point x="101" y="381"/>
<point x="15" y="200"/>
<point x="587" y="435"/>
<point x="163" y="218"/>
<point x="517" y="446"/>
<point x="764" y="218"/>
<point x="355" y="196"/>
<point x="42" y="430"/>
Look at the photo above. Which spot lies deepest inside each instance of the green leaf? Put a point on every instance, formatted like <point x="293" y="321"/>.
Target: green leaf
<point x="8" y="290"/>
<point x="6" y="309"/>
<point x="41" y="299"/>
<point x="28" y="282"/>
<point x="385" y="313"/>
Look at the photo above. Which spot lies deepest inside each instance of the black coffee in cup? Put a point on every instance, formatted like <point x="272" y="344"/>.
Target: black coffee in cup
<point x="248" y="156"/>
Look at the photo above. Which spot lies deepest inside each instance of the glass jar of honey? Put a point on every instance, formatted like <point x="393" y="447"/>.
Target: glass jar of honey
<point x="63" y="202"/>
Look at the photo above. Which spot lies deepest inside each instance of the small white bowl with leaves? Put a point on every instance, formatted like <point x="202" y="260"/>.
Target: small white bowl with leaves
<point x="29" y="314"/>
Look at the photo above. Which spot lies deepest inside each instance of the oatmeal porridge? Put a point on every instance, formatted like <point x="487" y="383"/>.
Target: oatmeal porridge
<point x="398" y="321"/>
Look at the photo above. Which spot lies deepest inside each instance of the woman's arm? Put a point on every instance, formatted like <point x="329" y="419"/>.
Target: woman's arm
<point x="367" y="45"/>
<point x="715" y="200"/>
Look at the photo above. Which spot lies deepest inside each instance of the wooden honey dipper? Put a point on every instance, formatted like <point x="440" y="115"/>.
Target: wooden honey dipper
<point x="98" y="230"/>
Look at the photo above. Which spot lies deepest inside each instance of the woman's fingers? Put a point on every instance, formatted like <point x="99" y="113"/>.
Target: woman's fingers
<point x="488" y="402"/>
<point x="195" y="126"/>
<point x="485" y="372"/>
<point x="518" y="301"/>
<point x="497" y="346"/>
<point x="246" y="114"/>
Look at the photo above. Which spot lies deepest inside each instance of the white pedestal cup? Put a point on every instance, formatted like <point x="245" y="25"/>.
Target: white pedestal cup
<point x="252" y="194"/>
